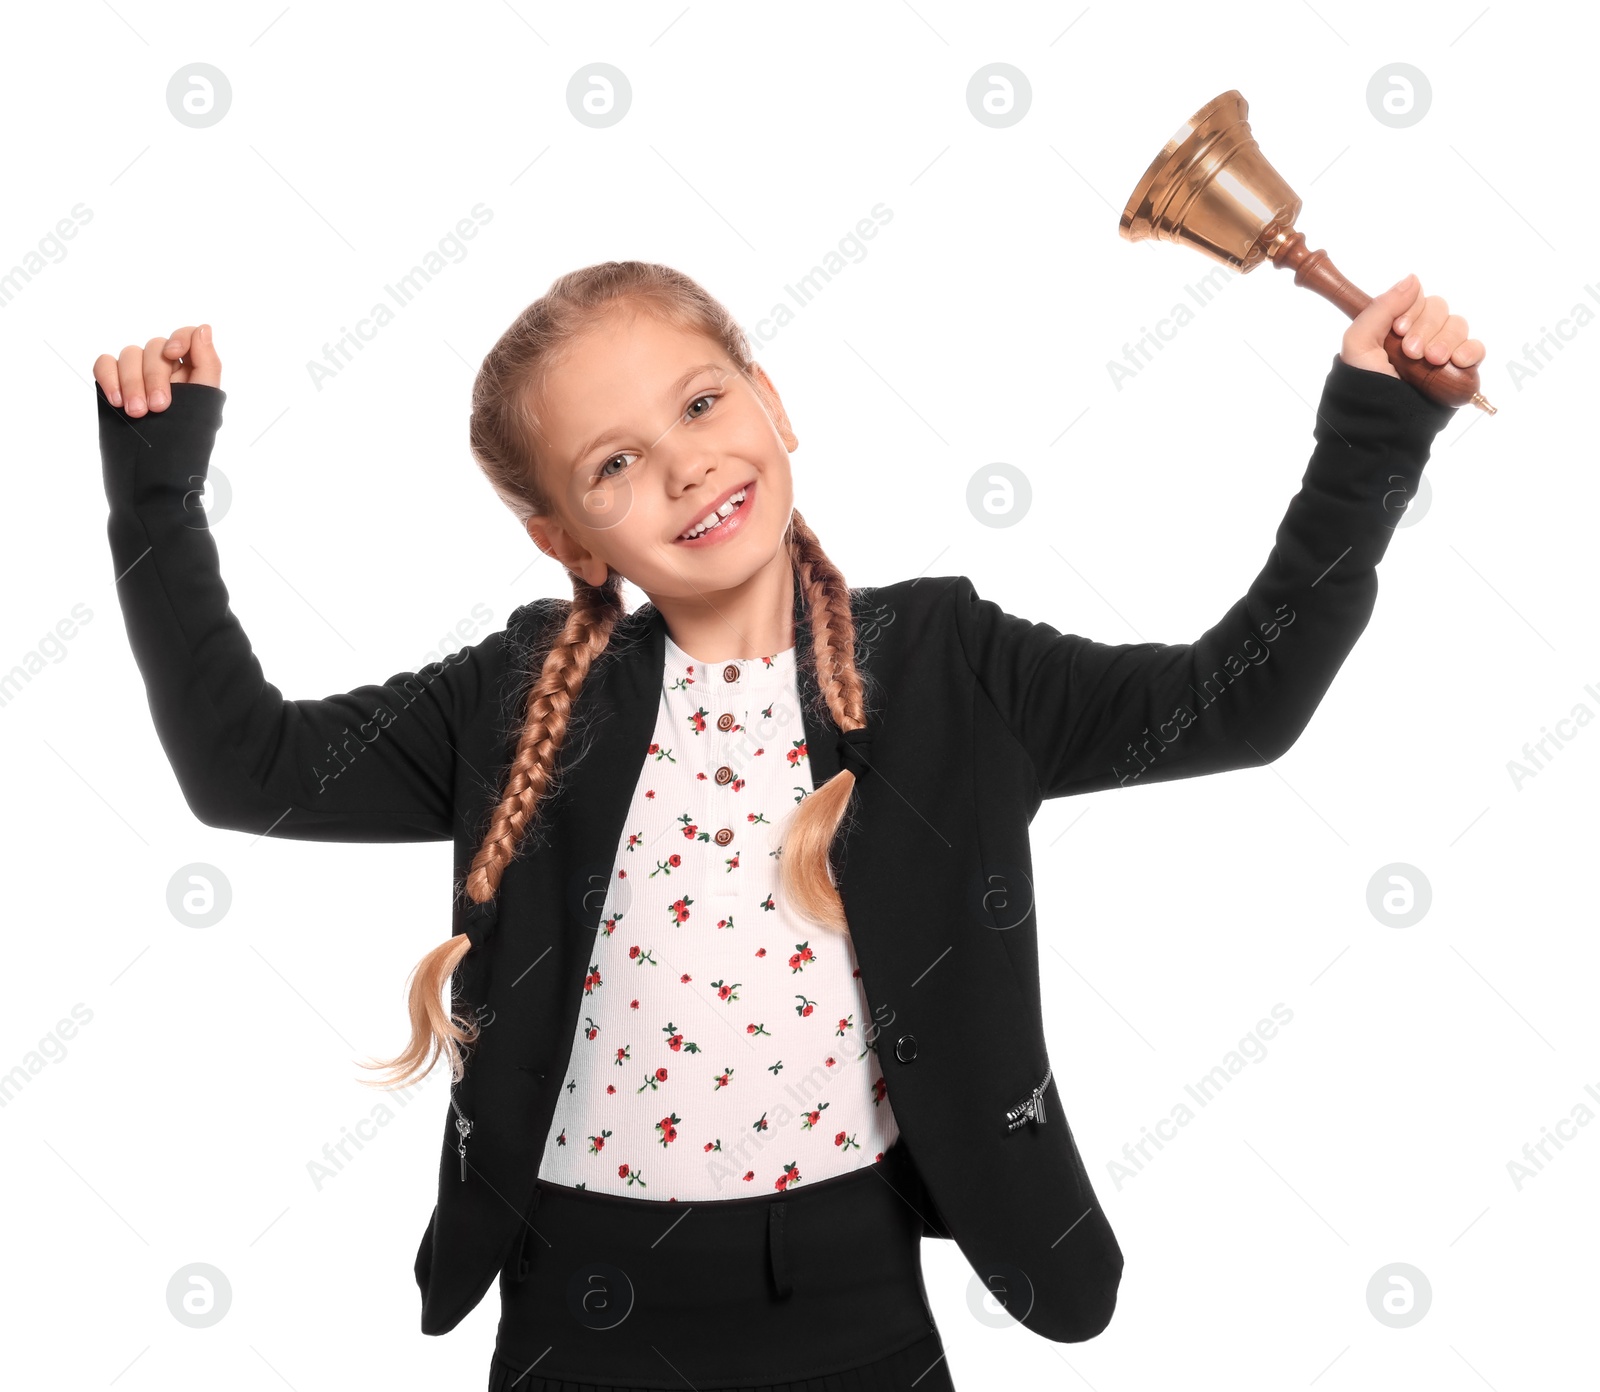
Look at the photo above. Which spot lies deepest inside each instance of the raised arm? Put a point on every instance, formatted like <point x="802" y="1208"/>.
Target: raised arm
<point x="374" y="764"/>
<point x="1096" y="715"/>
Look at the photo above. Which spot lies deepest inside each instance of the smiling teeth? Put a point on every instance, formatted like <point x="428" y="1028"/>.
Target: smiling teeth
<point x="713" y="519"/>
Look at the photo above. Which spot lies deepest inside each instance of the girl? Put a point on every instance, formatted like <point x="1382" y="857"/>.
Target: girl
<point x="675" y="1133"/>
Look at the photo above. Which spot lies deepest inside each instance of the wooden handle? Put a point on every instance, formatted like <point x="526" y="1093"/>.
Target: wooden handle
<point x="1444" y="382"/>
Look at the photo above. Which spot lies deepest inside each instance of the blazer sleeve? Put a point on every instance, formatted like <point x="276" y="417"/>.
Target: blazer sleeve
<point x="374" y="764"/>
<point x="1095" y="715"/>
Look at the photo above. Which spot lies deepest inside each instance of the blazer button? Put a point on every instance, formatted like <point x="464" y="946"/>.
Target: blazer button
<point x="730" y="673"/>
<point x="905" y="1048"/>
<point x="724" y="836"/>
<point x="724" y="775"/>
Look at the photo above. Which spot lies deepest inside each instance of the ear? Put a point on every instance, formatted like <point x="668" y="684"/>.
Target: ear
<point x="553" y="539"/>
<point x="780" y="417"/>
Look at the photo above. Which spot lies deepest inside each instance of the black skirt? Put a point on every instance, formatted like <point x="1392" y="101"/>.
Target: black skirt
<point x="815" y="1289"/>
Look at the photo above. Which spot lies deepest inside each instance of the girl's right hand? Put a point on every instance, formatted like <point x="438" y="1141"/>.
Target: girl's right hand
<point x="141" y="376"/>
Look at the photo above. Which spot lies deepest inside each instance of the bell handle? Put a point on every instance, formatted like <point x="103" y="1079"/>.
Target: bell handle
<point x="1444" y="382"/>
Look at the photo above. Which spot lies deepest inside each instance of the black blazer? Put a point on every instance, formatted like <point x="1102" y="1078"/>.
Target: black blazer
<point x="975" y="717"/>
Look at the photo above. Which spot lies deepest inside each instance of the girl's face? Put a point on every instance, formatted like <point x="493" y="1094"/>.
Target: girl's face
<point x="647" y="429"/>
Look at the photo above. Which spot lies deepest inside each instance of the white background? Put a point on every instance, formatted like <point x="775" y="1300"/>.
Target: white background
<point x="179" y="1124"/>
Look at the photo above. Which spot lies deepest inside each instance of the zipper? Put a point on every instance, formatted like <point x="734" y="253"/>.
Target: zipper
<point x="463" y="1130"/>
<point x="1031" y="1108"/>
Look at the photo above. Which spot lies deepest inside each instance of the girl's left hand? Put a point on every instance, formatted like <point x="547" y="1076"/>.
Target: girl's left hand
<point x="1428" y="328"/>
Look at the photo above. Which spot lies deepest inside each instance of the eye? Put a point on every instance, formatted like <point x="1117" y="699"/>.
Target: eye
<point x="708" y="396"/>
<point x="602" y="476"/>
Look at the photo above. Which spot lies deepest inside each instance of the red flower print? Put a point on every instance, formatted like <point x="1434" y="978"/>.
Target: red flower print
<point x="685" y="978"/>
<point x="633" y="951"/>
<point x="749" y="1175"/>
<point x="680" y="909"/>
<point x="880" y="1089"/>
<point x="761" y="952"/>
<point x="592" y="979"/>
<point x="667" y="1129"/>
<point x="697" y="720"/>
<point x="598" y="1143"/>
<point x="726" y="991"/>
<point x="661" y="1075"/>
<point x="790" y="1175"/>
<point x="839" y="1139"/>
<point x="610" y="1088"/>
<point x="622" y="1171"/>
<point x="805" y="1007"/>
<point x="675" y="1040"/>
<point x="809" y="1119"/>
<point x="721" y="1080"/>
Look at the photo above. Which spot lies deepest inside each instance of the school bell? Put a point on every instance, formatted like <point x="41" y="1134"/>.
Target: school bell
<point x="1212" y="189"/>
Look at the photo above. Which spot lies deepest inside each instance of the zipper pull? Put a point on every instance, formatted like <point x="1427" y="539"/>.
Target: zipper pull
<point x="1031" y="1108"/>
<point x="463" y="1130"/>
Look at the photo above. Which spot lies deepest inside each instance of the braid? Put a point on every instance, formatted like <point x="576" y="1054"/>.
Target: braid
<point x="804" y="870"/>
<point x="595" y="613"/>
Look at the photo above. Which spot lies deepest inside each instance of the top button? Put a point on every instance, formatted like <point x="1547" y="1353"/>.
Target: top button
<point x="905" y="1048"/>
<point x="730" y="673"/>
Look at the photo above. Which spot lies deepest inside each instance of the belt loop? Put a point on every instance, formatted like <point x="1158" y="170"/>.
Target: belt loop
<point x="525" y="1247"/>
<point x="780" y="1270"/>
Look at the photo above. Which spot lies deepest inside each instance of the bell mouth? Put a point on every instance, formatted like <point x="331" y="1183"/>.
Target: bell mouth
<point x="1211" y="188"/>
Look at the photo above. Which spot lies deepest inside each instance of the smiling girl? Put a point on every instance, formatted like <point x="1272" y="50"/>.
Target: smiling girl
<point x="677" y="1055"/>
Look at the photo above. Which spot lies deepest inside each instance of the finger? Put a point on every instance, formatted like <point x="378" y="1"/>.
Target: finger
<point x="105" y="373"/>
<point x="1451" y="333"/>
<point x="1372" y="324"/>
<point x="157" y="375"/>
<point x="1411" y="311"/>
<point x="200" y="354"/>
<point x="1434" y="312"/>
<point x="1468" y="354"/>
<point x="177" y="352"/>
<point x="130" y="370"/>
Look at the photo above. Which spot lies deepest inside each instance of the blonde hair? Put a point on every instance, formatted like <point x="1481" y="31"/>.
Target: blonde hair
<point x="504" y="434"/>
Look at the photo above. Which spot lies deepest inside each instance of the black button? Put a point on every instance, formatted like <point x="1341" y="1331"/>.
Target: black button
<point x="905" y="1048"/>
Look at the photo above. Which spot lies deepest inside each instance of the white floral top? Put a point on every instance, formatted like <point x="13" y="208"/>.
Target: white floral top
<point x="722" y="1044"/>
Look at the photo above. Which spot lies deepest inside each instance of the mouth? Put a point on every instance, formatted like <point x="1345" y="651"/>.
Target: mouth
<point x="725" y="522"/>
